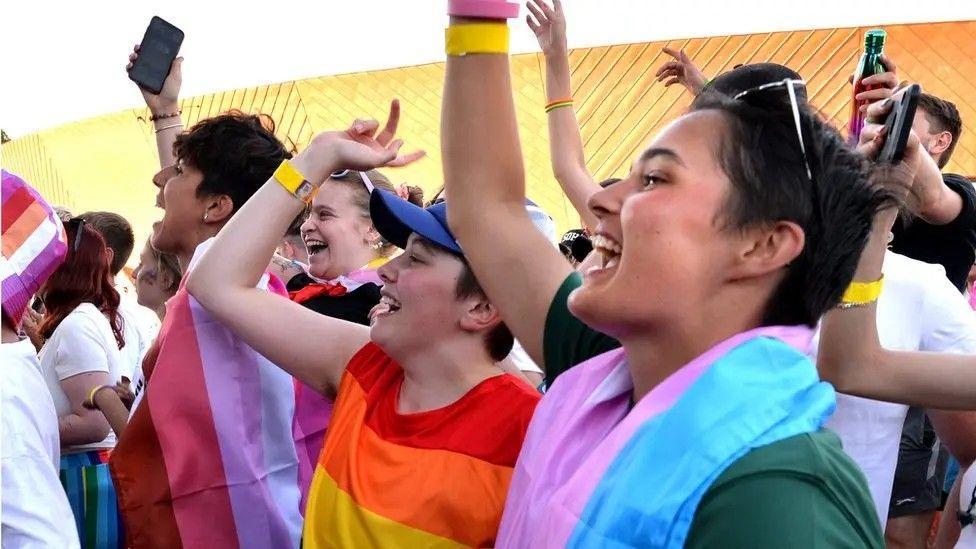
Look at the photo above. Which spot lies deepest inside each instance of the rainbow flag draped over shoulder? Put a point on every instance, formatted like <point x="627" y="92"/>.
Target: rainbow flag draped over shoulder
<point x="596" y="472"/>
<point x="207" y="459"/>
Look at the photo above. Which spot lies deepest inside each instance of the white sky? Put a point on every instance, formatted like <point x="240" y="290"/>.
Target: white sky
<point x="64" y="60"/>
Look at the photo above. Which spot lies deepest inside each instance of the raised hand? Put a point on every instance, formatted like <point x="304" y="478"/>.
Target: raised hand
<point x="680" y="70"/>
<point x="898" y="178"/>
<point x="549" y="26"/>
<point x="361" y="147"/>
<point x="168" y="99"/>
<point x="884" y="83"/>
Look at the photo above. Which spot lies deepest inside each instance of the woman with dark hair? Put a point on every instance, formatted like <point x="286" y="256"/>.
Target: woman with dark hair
<point x="83" y="333"/>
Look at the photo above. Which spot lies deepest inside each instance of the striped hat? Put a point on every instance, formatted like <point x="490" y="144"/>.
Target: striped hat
<point x="33" y="242"/>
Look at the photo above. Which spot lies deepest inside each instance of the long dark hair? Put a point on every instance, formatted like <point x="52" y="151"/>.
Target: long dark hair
<point x="84" y="277"/>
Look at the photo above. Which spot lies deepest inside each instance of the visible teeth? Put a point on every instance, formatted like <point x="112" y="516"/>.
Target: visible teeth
<point x="389" y="301"/>
<point x="606" y="245"/>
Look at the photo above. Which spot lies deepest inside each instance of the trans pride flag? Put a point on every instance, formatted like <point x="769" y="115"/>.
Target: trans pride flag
<point x="207" y="459"/>
<point x="597" y="472"/>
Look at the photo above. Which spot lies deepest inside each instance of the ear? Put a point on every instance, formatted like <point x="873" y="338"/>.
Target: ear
<point x="940" y="143"/>
<point x="480" y="314"/>
<point x="768" y="249"/>
<point x="219" y="209"/>
<point x="109" y="254"/>
<point x="372" y="235"/>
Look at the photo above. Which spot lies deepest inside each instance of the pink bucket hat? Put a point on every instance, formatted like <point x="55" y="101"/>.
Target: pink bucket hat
<point x="33" y="242"/>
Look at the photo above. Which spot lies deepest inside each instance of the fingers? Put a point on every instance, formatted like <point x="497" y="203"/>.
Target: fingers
<point x="537" y="13"/>
<point x="533" y="26"/>
<point x="545" y="8"/>
<point x="364" y="127"/>
<point x="871" y="141"/>
<point x="671" y="66"/>
<point x="683" y="57"/>
<point x="874" y="95"/>
<point x="406" y="159"/>
<point x="888" y="64"/>
<point x="672" y="53"/>
<point x="557" y="7"/>
<point x="672" y="82"/>
<point x="886" y="79"/>
<point x="392" y="121"/>
<point x="877" y="112"/>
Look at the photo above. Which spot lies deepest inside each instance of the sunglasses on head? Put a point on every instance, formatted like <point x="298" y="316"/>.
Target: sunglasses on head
<point x="79" y="223"/>
<point x="790" y="85"/>
<point x="343" y="173"/>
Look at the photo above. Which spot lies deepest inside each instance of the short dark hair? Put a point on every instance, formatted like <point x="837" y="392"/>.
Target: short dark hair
<point x="118" y="235"/>
<point x="235" y="152"/>
<point x="943" y="116"/>
<point x="499" y="340"/>
<point x="760" y="153"/>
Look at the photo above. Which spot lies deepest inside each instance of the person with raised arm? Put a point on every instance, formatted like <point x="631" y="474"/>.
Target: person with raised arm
<point x="207" y="457"/>
<point x="715" y="265"/>
<point x="422" y="411"/>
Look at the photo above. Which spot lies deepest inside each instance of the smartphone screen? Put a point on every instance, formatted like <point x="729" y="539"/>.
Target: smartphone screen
<point x="160" y="46"/>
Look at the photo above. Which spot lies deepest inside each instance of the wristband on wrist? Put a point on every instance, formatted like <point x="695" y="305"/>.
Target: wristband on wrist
<point x="476" y="38"/>
<point x="483" y="9"/>
<point x="163" y="116"/>
<point x="294" y="182"/>
<point x="559" y="103"/>
<point x="859" y="294"/>
<point x="93" y="392"/>
<point x="170" y="127"/>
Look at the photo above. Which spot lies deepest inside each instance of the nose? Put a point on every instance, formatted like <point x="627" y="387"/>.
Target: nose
<point x="307" y="226"/>
<point x="607" y="201"/>
<point x="388" y="271"/>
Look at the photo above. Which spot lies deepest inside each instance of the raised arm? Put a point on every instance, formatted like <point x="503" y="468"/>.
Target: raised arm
<point x="164" y="109"/>
<point x="851" y="356"/>
<point x="565" y="142"/>
<point x="312" y="347"/>
<point x="485" y="183"/>
<point x="681" y="70"/>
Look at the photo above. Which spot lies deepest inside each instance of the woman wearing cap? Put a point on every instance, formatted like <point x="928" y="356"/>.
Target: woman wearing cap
<point x="426" y="427"/>
<point x="736" y="229"/>
<point x="83" y="333"/>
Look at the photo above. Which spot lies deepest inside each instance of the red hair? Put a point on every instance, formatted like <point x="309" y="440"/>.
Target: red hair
<point x="84" y="277"/>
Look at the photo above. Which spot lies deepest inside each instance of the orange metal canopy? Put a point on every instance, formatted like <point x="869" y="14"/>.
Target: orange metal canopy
<point x="107" y="162"/>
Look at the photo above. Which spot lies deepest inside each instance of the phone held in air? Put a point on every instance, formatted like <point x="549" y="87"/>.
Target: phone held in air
<point x="899" y="125"/>
<point x="160" y="46"/>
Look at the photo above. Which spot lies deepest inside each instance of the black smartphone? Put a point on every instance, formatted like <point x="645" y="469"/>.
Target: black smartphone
<point x="899" y="125"/>
<point x="158" y="49"/>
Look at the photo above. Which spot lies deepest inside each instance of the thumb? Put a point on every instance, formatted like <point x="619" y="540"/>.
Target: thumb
<point x="177" y="67"/>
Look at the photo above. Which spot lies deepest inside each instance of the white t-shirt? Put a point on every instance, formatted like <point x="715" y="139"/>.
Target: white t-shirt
<point x="967" y="496"/>
<point x="83" y="342"/>
<point x="139" y="328"/>
<point x="919" y="310"/>
<point x="34" y="510"/>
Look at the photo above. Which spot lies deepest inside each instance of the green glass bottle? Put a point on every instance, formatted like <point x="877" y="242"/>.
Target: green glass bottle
<point x="869" y="64"/>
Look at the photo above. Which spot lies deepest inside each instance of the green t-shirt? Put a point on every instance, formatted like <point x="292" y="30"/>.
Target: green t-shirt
<point x="799" y="492"/>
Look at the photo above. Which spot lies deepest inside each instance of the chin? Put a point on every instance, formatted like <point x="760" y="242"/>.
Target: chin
<point x="595" y="308"/>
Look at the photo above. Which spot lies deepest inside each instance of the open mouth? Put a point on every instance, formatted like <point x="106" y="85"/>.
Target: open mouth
<point x="609" y="250"/>
<point x="315" y="246"/>
<point x="388" y="306"/>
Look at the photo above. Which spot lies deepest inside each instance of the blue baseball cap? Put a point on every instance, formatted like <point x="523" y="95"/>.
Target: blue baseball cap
<point x="395" y="219"/>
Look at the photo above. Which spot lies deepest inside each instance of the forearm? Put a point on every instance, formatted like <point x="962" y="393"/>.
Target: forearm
<point x="957" y="430"/>
<point x="87" y="427"/>
<point x="565" y="141"/>
<point x="110" y="405"/>
<point x="936" y="202"/>
<point x="166" y="130"/>
<point x="479" y="139"/>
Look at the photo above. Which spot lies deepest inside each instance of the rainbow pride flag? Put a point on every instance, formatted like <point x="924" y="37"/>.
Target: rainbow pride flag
<point x="430" y="479"/>
<point x="207" y="459"/>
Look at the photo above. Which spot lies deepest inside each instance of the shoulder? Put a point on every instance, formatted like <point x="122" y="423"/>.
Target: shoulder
<point x="85" y="319"/>
<point x="772" y="492"/>
<point x="369" y="364"/>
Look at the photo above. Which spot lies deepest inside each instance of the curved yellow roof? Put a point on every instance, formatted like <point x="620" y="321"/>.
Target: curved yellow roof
<point x="107" y="162"/>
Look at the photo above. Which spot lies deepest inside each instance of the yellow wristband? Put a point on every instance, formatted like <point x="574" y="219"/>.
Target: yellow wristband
<point x="476" y="38"/>
<point x="294" y="182"/>
<point x="94" y="391"/>
<point x="863" y="292"/>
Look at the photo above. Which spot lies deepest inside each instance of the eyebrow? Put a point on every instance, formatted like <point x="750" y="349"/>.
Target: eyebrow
<point x="658" y="151"/>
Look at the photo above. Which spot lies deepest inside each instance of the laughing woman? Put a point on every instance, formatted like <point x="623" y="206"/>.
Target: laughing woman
<point x="737" y="228"/>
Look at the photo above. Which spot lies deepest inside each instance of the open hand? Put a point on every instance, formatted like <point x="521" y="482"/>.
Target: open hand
<point x="361" y="147"/>
<point x="549" y="26"/>
<point x="168" y="99"/>
<point x="680" y="70"/>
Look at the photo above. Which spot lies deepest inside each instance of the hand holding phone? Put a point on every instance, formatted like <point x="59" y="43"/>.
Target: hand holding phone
<point x="898" y="125"/>
<point x="154" y="65"/>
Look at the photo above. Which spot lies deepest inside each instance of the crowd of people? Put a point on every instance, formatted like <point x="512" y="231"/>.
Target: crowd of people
<point x="760" y="336"/>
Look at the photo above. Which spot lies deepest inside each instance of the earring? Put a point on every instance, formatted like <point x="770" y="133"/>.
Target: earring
<point x="205" y="214"/>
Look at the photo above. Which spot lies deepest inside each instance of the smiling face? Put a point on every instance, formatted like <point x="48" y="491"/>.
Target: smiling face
<point x="337" y="234"/>
<point x="661" y="234"/>
<point x="153" y="286"/>
<point x="419" y="300"/>
<point x="176" y="233"/>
